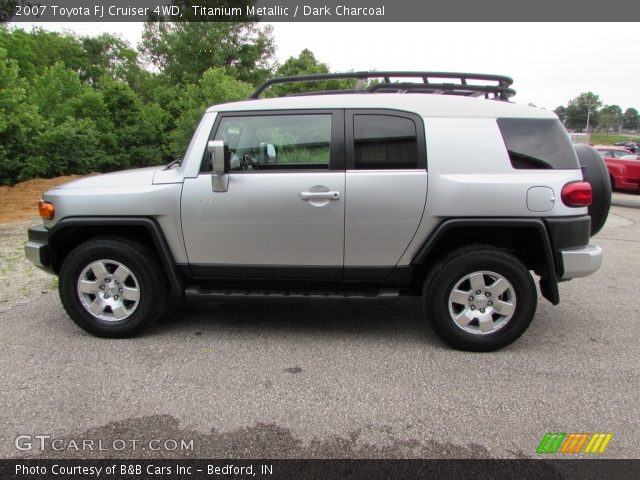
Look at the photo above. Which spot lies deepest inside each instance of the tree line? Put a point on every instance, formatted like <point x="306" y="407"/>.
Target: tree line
<point x="77" y="104"/>
<point x="587" y="107"/>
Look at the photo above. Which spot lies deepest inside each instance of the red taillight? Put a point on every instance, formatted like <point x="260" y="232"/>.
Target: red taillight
<point x="576" y="194"/>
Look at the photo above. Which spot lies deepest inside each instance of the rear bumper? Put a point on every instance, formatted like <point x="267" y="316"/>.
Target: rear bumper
<point x="574" y="257"/>
<point x="37" y="248"/>
<point x="580" y="262"/>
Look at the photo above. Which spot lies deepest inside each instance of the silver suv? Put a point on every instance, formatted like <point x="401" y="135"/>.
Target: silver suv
<point x="407" y="184"/>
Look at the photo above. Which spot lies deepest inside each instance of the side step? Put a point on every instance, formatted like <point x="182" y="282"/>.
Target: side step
<point x="197" y="291"/>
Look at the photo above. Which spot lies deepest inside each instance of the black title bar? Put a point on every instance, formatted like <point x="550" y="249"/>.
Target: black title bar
<point x="316" y="11"/>
<point x="319" y="469"/>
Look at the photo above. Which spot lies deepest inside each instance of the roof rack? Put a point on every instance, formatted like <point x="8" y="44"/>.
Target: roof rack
<point x="459" y="85"/>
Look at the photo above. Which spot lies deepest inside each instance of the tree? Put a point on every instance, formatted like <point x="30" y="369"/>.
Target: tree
<point x="561" y="112"/>
<point x="630" y="120"/>
<point x="53" y="90"/>
<point x="73" y="146"/>
<point x="609" y="117"/>
<point x="215" y="86"/>
<point x="90" y="57"/>
<point x="584" y="106"/>
<point x="36" y="50"/>
<point x="20" y="122"/>
<point x="185" y="50"/>
<point x="305" y="64"/>
<point x="612" y="109"/>
<point x="110" y="56"/>
<point x="139" y="137"/>
<point x="98" y="112"/>
<point x="8" y="9"/>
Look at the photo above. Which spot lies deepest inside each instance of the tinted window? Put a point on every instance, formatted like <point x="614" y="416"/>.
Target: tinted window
<point x="277" y="142"/>
<point x="537" y="143"/>
<point x="384" y="142"/>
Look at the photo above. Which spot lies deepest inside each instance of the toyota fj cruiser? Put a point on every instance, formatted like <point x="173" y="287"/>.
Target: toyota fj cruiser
<point x="406" y="184"/>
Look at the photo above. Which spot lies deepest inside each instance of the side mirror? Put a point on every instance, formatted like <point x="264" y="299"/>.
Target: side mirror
<point x="220" y="154"/>
<point x="271" y="152"/>
<point x="268" y="152"/>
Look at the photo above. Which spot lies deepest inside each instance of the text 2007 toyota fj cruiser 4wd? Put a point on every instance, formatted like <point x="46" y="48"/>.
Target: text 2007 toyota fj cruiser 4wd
<point x="404" y="185"/>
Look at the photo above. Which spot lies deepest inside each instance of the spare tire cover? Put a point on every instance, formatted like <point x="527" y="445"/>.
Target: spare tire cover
<point x="594" y="171"/>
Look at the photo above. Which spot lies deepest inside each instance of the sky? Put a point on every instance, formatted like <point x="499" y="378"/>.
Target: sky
<point x="551" y="63"/>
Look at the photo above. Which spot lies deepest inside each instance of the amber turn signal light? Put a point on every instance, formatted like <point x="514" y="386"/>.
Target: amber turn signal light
<point x="46" y="209"/>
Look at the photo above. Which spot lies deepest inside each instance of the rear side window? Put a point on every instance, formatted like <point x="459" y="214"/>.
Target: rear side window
<point x="384" y="142"/>
<point x="538" y="144"/>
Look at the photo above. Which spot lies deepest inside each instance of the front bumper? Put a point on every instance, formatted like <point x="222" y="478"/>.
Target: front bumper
<point x="580" y="262"/>
<point x="37" y="248"/>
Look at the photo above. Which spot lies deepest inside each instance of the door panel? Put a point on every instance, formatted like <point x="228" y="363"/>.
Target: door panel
<point x="386" y="186"/>
<point x="262" y="220"/>
<point x="383" y="211"/>
<point x="633" y="171"/>
<point x="282" y="214"/>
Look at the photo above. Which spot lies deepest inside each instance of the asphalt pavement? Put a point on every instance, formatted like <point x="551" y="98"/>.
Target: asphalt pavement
<point x="625" y="199"/>
<point x="345" y="379"/>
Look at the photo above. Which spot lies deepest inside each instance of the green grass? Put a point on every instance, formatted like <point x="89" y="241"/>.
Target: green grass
<point x="293" y="154"/>
<point x="611" y="138"/>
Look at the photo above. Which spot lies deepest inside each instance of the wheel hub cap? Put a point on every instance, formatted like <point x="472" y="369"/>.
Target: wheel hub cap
<point x="108" y="290"/>
<point x="482" y="302"/>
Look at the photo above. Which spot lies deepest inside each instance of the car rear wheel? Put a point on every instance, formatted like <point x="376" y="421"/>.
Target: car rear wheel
<point x="112" y="287"/>
<point x="480" y="298"/>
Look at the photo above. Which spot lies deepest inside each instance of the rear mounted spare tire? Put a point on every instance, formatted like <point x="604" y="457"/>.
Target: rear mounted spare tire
<point x="595" y="172"/>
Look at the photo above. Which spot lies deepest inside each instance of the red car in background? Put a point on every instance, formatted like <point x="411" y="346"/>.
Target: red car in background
<point x="623" y="166"/>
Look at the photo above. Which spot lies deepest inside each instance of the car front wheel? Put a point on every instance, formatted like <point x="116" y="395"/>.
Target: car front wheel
<point x="112" y="287"/>
<point x="480" y="298"/>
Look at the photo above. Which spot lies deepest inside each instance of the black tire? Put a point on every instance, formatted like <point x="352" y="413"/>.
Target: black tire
<point x="144" y="278"/>
<point x="445" y="277"/>
<point x="594" y="171"/>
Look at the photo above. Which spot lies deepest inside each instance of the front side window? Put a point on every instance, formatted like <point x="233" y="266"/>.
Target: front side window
<point x="277" y="142"/>
<point x="384" y="142"/>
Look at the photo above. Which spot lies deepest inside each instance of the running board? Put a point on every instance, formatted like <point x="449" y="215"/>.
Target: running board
<point x="219" y="293"/>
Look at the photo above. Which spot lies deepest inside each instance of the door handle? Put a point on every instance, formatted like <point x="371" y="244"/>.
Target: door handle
<point x="330" y="195"/>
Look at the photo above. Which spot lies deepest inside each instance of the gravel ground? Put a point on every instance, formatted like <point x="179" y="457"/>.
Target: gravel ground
<point x="21" y="281"/>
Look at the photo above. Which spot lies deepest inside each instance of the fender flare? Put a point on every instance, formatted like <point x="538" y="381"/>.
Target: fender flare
<point x="149" y="224"/>
<point x="549" y="278"/>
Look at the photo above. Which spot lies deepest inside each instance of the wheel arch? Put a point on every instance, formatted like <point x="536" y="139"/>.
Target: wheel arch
<point x="528" y="239"/>
<point x="71" y="232"/>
